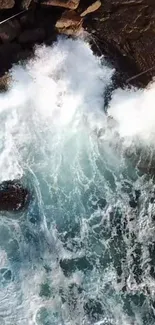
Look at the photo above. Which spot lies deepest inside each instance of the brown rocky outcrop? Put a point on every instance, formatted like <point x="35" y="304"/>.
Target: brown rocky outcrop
<point x="7" y="4"/>
<point x="70" y="23"/>
<point x="93" y="7"/>
<point x="123" y="30"/>
<point x="69" y="4"/>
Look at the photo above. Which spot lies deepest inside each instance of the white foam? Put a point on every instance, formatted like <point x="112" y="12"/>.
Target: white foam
<point x="134" y="110"/>
<point x="49" y="118"/>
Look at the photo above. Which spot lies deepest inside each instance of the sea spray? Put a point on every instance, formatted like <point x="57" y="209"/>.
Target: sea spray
<point x="83" y="251"/>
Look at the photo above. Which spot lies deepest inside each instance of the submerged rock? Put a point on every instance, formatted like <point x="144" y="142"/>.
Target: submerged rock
<point x="13" y="196"/>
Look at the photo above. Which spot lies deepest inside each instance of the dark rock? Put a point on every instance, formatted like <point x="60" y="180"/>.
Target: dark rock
<point x="32" y="35"/>
<point x="68" y="4"/>
<point x="93" y="7"/>
<point x="25" y="4"/>
<point x="27" y="20"/>
<point x="4" y="82"/>
<point x="24" y="55"/>
<point x="8" y="55"/>
<point x="9" y="30"/>
<point x="125" y="31"/>
<point x="13" y="196"/>
<point x="7" y="4"/>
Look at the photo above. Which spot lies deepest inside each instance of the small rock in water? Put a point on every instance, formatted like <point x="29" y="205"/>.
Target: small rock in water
<point x="13" y="196"/>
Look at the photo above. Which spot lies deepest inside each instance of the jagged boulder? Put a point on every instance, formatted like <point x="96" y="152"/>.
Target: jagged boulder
<point x="70" y="23"/>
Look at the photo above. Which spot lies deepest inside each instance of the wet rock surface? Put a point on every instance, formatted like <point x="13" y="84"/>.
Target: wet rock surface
<point x="9" y="31"/>
<point x="122" y="30"/>
<point x="125" y="29"/>
<point x="13" y="196"/>
<point x="32" y="35"/>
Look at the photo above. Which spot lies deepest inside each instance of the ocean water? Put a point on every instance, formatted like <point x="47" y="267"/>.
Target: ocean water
<point x="83" y="252"/>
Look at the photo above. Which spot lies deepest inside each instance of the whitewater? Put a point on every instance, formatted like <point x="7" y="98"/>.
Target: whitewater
<point x="83" y="251"/>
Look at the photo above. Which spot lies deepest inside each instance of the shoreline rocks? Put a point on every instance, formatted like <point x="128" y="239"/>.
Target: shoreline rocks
<point x="32" y="36"/>
<point x="68" y="4"/>
<point x="9" y="31"/>
<point x="121" y="30"/>
<point x="7" y="4"/>
<point x="70" y="23"/>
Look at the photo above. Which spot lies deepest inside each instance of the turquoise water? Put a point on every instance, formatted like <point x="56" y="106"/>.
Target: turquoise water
<point x="83" y="251"/>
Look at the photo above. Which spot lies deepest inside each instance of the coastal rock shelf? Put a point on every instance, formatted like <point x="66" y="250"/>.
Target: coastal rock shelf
<point x="122" y="30"/>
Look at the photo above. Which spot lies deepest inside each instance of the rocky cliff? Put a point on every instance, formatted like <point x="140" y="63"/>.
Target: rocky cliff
<point x="123" y="30"/>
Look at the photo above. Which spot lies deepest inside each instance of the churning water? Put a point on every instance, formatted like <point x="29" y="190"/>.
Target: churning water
<point x="83" y="253"/>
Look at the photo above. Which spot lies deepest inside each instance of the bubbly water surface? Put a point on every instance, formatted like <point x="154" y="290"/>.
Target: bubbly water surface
<point x="84" y="250"/>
